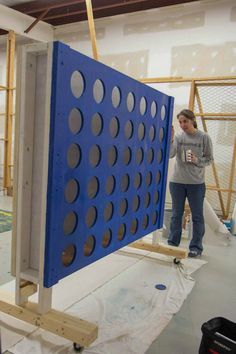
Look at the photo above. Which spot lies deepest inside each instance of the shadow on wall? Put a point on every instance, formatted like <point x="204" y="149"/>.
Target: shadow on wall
<point x="199" y="60"/>
<point x="167" y="23"/>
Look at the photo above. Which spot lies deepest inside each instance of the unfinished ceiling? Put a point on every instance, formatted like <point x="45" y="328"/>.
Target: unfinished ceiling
<point x="59" y="12"/>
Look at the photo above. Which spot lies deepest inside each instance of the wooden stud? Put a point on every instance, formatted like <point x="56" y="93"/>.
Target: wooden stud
<point x="226" y="114"/>
<point x="4" y="114"/>
<point x="156" y="80"/>
<point x="92" y="28"/>
<point x="192" y="96"/>
<point x="220" y="189"/>
<point x="177" y="252"/>
<point x="217" y="83"/>
<point x="219" y="119"/>
<point x="231" y="178"/>
<point x="191" y="103"/>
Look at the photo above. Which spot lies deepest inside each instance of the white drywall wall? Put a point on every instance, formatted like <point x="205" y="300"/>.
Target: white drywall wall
<point x="191" y="40"/>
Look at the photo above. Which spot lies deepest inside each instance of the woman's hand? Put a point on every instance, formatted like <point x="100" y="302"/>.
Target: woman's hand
<point x="194" y="159"/>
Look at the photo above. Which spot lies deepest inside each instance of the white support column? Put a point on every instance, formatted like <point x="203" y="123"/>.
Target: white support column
<point x="31" y="156"/>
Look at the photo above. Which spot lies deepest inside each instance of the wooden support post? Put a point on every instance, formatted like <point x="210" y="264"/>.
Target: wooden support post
<point x="9" y="111"/>
<point x="213" y="164"/>
<point x="231" y="178"/>
<point x="192" y="96"/>
<point x="161" y="248"/>
<point x="92" y="28"/>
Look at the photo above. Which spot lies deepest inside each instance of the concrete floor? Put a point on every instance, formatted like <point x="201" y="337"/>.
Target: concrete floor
<point x="212" y="296"/>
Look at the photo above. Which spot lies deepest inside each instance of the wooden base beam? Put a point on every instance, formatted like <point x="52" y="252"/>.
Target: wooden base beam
<point x="176" y="252"/>
<point x="64" y="325"/>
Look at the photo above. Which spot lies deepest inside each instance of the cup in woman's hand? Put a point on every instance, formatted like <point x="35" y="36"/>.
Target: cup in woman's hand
<point x="189" y="155"/>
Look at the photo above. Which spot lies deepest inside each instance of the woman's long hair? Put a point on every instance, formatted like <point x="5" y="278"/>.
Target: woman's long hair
<point x="189" y="115"/>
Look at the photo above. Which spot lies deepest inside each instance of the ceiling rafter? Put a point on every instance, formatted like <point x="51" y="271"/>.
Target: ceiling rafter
<point x="38" y="6"/>
<point x="106" y="6"/>
<point x="57" y="12"/>
<point x="41" y="17"/>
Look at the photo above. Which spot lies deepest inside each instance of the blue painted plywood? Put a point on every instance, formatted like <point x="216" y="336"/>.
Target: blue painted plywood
<point x="108" y="159"/>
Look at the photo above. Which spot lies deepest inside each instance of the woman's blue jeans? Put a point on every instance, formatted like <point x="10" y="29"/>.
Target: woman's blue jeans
<point x="195" y="194"/>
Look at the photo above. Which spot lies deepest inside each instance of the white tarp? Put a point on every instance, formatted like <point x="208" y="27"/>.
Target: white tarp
<point x="128" y="309"/>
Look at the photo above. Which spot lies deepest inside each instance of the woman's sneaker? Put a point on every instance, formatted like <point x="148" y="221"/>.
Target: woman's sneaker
<point x="192" y="254"/>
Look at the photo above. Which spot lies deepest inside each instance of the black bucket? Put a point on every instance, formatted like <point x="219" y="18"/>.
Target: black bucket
<point x="218" y="337"/>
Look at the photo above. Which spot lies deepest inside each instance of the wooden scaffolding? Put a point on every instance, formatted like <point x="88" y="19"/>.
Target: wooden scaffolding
<point x="204" y="104"/>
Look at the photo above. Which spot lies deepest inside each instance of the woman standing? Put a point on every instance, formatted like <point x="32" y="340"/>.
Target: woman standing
<point x="193" y="151"/>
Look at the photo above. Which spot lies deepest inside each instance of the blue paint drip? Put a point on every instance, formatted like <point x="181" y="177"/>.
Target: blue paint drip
<point x="160" y="287"/>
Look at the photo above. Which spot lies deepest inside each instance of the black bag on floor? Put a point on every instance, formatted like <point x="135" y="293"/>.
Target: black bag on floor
<point x="218" y="337"/>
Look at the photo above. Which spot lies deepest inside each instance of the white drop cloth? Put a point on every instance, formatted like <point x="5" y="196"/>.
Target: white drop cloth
<point x="128" y="309"/>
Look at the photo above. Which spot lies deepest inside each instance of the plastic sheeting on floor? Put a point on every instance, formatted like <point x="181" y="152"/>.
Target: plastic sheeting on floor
<point x="119" y="294"/>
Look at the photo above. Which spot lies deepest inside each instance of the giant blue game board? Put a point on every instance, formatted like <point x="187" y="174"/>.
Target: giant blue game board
<point x="108" y="160"/>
